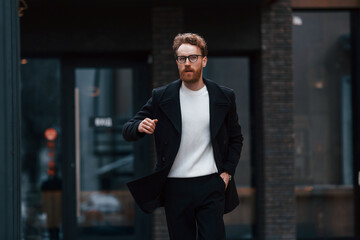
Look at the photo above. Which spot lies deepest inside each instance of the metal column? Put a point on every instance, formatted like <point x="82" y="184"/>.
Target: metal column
<point x="9" y="121"/>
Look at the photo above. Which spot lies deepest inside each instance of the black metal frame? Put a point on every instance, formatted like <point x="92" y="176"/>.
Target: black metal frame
<point x="9" y="121"/>
<point x="355" y="72"/>
<point x="142" y="151"/>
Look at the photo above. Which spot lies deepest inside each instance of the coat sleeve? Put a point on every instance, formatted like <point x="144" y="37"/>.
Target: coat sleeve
<point x="130" y="129"/>
<point x="235" y="139"/>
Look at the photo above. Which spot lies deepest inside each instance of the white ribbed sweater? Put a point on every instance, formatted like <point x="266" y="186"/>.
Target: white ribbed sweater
<point x="195" y="156"/>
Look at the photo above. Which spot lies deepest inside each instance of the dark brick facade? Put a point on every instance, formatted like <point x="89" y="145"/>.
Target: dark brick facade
<point x="275" y="166"/>
<point x="167" y="23"/>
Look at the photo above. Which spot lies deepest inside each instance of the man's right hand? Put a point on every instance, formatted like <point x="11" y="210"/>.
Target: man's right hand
<point x="147" y="126"/>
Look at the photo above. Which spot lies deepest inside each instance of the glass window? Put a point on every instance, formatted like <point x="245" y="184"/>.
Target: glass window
<point x="104" y="102"/>
<point x="41" y="188"/>
<point x="323" y="125"/>
<point x="233" y="72"/>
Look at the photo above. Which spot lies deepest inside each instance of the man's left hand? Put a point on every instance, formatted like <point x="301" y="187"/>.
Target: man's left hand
<point x="226" y="178"/>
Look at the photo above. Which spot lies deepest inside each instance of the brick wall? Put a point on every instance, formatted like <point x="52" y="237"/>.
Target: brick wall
<point x="167" y="23"/>
<point x="275" y="167"/>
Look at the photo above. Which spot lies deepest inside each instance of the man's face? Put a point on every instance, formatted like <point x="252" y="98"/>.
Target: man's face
<point x="190" y="72"/>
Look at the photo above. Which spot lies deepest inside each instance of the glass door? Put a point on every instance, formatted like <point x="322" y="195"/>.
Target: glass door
<point x="102" y="206"/>
<point x="104" y="161"/>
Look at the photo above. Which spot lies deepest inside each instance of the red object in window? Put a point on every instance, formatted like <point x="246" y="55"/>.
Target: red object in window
<point x="50" y="144"/>
<point x="50" y="134"/>
<point x="51" y="164"/>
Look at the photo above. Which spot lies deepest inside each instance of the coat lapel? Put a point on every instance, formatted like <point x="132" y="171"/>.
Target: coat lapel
<point x="170" y="104"/>
<point x="219" y="106"/>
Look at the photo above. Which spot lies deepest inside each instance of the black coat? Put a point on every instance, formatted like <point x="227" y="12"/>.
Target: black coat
<point x="225" y="133"/>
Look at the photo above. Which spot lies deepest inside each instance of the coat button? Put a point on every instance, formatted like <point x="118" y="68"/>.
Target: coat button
<point x="163" y="159"/>
<point x="165" y="142"/>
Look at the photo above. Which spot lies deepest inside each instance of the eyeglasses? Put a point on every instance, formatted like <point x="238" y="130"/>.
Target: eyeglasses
<point x="192" y="58"/>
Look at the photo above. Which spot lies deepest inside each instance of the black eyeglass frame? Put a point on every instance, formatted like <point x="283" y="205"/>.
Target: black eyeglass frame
<point x="188" y="57"/>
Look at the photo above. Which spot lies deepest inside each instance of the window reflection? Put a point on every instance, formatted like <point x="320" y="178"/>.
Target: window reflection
<point x="41" y="185"/>
<point x="106" y="161"/>
<point x="323" y="125"/>
<point x="233" y="72"/>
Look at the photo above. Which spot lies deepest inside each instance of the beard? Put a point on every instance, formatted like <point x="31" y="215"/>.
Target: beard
<point x="191" y="75"/>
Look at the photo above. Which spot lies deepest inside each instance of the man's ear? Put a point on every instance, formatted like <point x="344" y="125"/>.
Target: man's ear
<point x="204" y="61"/>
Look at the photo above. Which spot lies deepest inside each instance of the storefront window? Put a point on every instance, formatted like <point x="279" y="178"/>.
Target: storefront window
<point x="323" y="125"/>
<point x="233" y="72"/>
<point x="41" y="185"/>
<point x="105" y="162"/>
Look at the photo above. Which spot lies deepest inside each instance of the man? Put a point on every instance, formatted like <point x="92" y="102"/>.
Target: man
<point x="198" y="145"/>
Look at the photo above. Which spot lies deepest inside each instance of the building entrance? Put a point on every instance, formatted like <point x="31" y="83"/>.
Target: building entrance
<point x="104" y="96"/>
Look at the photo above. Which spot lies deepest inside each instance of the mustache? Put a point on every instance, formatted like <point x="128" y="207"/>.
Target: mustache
<point x="188" y="69"/>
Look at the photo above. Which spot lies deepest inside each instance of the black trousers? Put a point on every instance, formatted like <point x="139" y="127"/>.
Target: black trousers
<point x="194" y="208"/>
